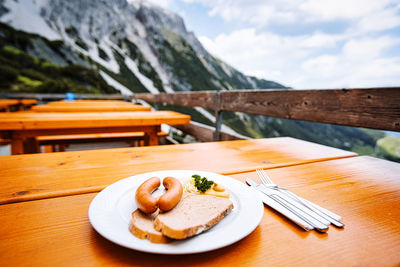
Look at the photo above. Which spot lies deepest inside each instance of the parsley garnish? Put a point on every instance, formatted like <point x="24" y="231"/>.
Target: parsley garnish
<point x="202" y="184"/>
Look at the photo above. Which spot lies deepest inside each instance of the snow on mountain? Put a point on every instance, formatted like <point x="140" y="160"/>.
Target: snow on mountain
<point x="135" y="46"/>
<point x="147" y="46"/>
<point x="24" y="15"/>
<point x="115" y="84"/>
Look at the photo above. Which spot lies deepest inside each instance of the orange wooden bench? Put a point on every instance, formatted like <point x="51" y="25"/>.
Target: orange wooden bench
<point x="89" y="108"/>
<point x="53" y="143"/>
<point x="4" y="141"/>
<point x="24" y="127"/>
<point x="89" y="102"/>
<point x="26" y="103"/>
<point x="6" y="104"/>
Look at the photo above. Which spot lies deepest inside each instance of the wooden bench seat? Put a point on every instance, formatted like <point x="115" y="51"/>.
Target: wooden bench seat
<point x="4" y="141"/>
<point x="54" y="143"/>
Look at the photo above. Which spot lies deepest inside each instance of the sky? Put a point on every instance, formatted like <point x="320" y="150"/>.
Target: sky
<point x="310" y="44"/>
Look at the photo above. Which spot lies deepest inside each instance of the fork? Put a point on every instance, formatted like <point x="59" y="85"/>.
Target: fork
<point x="325" y="214"/>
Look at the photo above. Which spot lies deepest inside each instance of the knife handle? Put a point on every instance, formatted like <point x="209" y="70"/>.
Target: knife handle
<point x="301" y="213"/>
<point x="324" y="213"/>
<point x="274" y="204"/>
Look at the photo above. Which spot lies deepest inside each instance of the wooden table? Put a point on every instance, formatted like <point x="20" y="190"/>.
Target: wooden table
<point x="54" y="229"/>
<point x="88" y="102"/>
<point x="23" y="175"/>
<point x="23" y="127"/>
<point x="6" y="104"/>
<point x="90" y="108"/>
<point x="20" y="104"/>
<point x="26" y="103"/>
<point x="365" y="191"/>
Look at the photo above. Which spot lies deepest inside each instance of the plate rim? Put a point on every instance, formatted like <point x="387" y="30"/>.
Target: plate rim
<point x="258" y="208"/>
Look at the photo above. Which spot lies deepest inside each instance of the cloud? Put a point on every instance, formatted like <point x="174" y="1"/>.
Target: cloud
<point x="360" y="63"/>
<point x="259" y="13"/>
<point x="325" y="44"/>
<point x="358" y="54"/>
<point x="162" y="3"/>
<point x="301" y="61"/>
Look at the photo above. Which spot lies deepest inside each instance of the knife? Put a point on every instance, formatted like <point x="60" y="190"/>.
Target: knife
<point x="325" y="214"/>
<point x="276" y="205"/>
<point x="302" y="212"/>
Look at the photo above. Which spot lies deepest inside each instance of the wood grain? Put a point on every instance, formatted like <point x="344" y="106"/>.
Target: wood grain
<point x="364" y="190"/>
<point x="59" y="120"/>
<point x="370" y="108"/>
<point x="376" y="108"/>
<point x="28" y="102"/>
<point x="89" y="108"/>
<point x="23" y="127"/>
<point x="62" y="96"/>
<point x="35" y="176"/>
<point x="205" y="133"/>
<point x="79" y="102"/>
<point x="205" y="99"/>
<point x="6" y="104"/>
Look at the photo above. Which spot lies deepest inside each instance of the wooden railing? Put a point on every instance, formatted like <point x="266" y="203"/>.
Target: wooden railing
<point x="376" y="108"/>
<point x="52" y="97"/>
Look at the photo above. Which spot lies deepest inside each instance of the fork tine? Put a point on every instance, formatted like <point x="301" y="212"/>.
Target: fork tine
<point x="267" y="177"/>
<point x="260" y="174"/>
<point x="264" y="177"/>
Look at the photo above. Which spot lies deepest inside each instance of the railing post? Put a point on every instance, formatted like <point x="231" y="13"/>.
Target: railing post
<point x="218" y="116"/>
<point x="156" y="107"/>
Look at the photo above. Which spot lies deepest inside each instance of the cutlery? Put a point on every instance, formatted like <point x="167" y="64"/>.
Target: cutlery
<point x="327" y="216"/>
<point x="289" y="208"/>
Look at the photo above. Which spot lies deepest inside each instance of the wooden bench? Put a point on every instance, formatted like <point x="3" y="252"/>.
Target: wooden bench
<point x="26" y="103"/>
<point x="53" y="143"/>
<point x="90" y="107"/>
<point x="7" y="104"/>
<point x="24" y="127"/>
<point x="4" y="141"/>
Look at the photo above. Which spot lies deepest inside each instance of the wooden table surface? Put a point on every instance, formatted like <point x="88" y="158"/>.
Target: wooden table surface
<point x="23" y="127"/>
<point x="89" y="108"/>
<point x="365" y="191"/>
<point x="57" y="120"/>
<point x="7" y="103"/>
<point x="88" y="102"/>
<point x="28" y="102"/>
<point x="19" y="103"/>
<point x="36" y="176"/>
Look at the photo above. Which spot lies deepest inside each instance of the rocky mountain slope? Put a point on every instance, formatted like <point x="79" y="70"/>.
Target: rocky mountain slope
<point x="139" y="46"/>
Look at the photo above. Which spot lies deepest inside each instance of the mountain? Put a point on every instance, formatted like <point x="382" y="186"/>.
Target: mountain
<point x="54" y="46"/>
<point x="136" y="46"/>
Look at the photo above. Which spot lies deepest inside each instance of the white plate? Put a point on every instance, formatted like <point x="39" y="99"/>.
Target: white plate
<point x="110" y="215"/>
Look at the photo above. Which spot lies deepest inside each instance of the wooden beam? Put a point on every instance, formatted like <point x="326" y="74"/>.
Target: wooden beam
<point x="62" y="96"/>
<point x="204" y="132"/>
<point x="377" y="108"/>
<point x="205" y="99"/>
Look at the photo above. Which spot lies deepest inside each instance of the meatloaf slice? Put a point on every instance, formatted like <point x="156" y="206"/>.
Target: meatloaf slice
<point x="193" y="215"/>
<point x="142" y="226"/>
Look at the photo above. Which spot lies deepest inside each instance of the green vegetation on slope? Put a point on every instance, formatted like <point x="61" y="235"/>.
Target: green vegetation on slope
<point x="144" y="67"/>
<point x="21" y="72"/>
<point x="185" y="64"/>
<point x="238" y="80"/>
<point x="389" y="146"/>
<point x="125" y="75"/>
